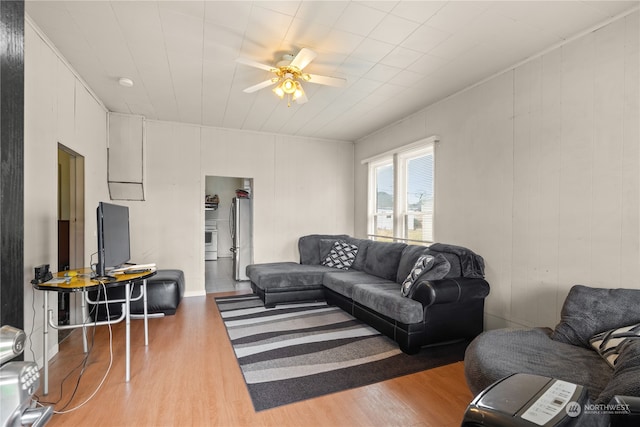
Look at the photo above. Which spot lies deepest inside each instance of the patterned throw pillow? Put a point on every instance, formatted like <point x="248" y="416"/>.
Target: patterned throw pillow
<point x="342" y="255"/>
<point x="423" y="264"/>
<point x="609" y="343"/>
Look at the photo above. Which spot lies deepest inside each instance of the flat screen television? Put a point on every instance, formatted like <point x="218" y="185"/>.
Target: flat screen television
<point x="113" y="238"/>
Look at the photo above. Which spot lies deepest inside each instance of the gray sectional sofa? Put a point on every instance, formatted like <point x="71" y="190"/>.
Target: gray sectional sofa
<point x="443" y="301"/>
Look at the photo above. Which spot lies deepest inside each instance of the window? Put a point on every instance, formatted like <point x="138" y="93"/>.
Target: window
<point x="401" y="193"/>
<point x="383" y="217"/>
<point x="417" y="212"/>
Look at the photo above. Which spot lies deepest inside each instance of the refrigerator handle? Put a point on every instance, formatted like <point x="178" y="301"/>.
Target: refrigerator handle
<point x="232" y="224"/>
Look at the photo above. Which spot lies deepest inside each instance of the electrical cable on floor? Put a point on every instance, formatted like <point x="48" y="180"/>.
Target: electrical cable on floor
<point x="33" y="322"/>
<point x="84" y="360"/>
<point x="83" y="363"/>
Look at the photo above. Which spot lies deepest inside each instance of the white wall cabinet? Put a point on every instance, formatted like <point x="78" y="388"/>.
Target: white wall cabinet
<point x="126" y="157"/>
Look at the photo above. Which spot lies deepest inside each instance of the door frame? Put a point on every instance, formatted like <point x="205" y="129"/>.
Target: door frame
<point x="76" y="200"/>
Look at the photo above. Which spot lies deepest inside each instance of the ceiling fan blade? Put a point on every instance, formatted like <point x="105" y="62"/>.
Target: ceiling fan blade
<point x="303" y="58"/>
<point x="252" y="63"/>
<point x="259" y="86"/>
<point x="326" y="80"/>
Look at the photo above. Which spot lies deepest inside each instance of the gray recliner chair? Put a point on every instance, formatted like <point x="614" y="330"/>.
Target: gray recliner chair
<point x="596" y="345"/>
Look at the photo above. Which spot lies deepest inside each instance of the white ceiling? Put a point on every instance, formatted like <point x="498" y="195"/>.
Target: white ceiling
<point x="397" y="56"/>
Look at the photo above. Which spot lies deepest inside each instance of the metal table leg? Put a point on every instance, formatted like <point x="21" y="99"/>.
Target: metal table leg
<point x="145" y="311"/>
<point x="127" y="308"/>
<point x="85" y="317"/>
<point x="45" y="343"/>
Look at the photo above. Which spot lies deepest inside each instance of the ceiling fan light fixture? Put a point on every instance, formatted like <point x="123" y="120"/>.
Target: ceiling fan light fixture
<point x="288" y="85"/>
<point x="278" y="91"/>
<point x="298" y="92"/>
<point x="289" y="75"/>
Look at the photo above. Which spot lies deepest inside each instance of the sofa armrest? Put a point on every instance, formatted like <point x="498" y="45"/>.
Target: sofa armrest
<point x="444" y="291"/>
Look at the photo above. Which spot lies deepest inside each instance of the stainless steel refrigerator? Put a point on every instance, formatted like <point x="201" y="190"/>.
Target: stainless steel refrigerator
<point x="241" y="226"/>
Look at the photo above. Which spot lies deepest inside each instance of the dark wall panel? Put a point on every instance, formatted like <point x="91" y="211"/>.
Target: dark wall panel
<point x="12" y="163"/>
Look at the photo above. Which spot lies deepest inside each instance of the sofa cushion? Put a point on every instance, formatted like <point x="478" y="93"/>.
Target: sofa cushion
<point x="455" y="266"/>
<point x="588" y="311"/>
<point x="278" y="275"/>
<point x="342" y="255"/>
<point x="383" y="258"/>
<point x="609" y="343"/>
<point x="343" y="282"/>
<point x="624" y="381"/>
<point x="386" y="299"/>
<point x="500" y="352"/>
<point x="423" y="264"/>
<point x="439" y="270"/>
<point x="325" y="246"/>
<point x="363" y="246"/>
<point x="410" y="255"/>
<point x="309" y="247"/>
<point x="471" y="264"/>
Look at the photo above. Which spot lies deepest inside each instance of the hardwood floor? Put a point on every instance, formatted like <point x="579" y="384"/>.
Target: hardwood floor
<point x="189" y="376"/>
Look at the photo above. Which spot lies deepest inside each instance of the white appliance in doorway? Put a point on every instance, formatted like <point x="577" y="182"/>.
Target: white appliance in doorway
<point x="241" y="224"/>
<point x="210" y="240"/>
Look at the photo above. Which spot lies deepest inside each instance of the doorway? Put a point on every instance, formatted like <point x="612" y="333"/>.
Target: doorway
<point x="70" y="228"/>
<point x="219" y="255"/>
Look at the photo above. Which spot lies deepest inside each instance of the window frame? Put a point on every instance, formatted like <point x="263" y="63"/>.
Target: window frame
<point x="399" y="159"/>
<point x="402" y="212"/>
<point x="372" y="198"/>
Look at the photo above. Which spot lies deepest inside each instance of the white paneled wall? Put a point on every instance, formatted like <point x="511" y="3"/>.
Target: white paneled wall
<point x="40" y="193"/>
<point x="474" y="185"/>
<point x="575" y="173"/>
<point x="300" y="186"/>
<point x="58" y="110"/>
<point x="538" y="171"/>
<point x="313" y="186"/>
<point x="536" y="197"/>
<point x="167" y="228"/>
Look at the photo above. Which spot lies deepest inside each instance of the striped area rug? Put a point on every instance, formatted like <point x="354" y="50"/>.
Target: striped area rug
<point x="299" y="351"/>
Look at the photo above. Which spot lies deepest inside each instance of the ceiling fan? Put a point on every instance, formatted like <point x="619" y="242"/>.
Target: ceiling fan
<point x="288" y="73"/>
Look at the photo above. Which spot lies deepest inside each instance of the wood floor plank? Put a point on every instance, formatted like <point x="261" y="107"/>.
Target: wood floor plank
<point x="189" y="376"/>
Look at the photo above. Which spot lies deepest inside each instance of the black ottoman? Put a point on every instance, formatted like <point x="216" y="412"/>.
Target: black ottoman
<point x="165" y="290"/>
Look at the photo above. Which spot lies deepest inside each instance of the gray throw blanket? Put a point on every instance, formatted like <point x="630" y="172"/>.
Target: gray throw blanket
<point x="471" y="264"/>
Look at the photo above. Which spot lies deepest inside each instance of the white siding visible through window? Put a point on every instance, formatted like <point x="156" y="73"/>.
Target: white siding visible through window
<point x="383" y="185"/>
<point x="418" y="203"/>
<point x="401" y="193"/>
